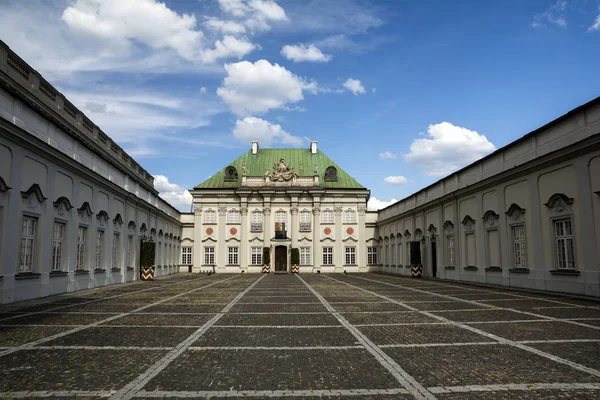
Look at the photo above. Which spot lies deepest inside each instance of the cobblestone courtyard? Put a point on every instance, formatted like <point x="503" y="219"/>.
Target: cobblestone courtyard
<point x="305" y="336"/>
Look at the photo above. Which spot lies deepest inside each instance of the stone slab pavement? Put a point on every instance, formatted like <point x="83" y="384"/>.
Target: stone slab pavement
<point x="301" y="336"/>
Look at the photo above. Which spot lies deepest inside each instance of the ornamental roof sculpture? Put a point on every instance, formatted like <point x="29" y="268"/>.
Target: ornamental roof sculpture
<point x="282" y="172"/>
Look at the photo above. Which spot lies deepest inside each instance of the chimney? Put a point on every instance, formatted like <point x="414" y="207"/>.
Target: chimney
<point x="313" y="147"/>
<point x="254" y="148"/>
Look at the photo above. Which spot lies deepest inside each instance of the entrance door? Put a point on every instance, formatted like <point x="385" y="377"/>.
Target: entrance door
<point x="434" y="258"/>
<point x="280" y="259"/>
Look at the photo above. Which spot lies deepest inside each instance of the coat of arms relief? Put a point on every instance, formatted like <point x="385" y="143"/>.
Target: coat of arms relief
<point x="281" y="172"/>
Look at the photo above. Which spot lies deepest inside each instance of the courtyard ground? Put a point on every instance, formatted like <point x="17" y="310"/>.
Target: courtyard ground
<point x="307" y="336"/>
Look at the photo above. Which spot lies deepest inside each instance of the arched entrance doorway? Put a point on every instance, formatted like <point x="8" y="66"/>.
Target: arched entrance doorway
<point x="281" y="259"/>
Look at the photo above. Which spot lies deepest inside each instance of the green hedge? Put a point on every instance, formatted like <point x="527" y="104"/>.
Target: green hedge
<point x="266" y="256"/>
<point x="148" y="253"/>
<point x="295" y="256"/>
<point x="415" y="253"/>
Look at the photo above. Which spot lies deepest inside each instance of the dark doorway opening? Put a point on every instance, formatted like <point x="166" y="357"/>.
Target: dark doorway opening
<point x="433" y="258"/>
<point x="280" y="259"/>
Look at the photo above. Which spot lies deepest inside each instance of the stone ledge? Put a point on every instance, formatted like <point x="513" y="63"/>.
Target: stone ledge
<point x="519" y="270"/>
<point x="99" y="271"/>
<point x="471" y="268"/>
<point x="493" y="269"/>
<point x="27" y="275"/>
<point x="115" y="269"/>
<point x="82" y="272"/>
<point x="450" y="267"/>
<point x="407" y="266"/>
<point x="58" y="273"/>
<point x="130" y="269"/>
<point x="567" y="272"/>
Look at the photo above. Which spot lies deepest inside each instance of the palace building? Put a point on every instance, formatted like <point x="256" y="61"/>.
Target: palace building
<point x="75" y="207"/>
<point x="280" y="199"/>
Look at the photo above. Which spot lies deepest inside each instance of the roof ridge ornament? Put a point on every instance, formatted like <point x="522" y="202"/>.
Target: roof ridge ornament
<point x="282" y="172"/>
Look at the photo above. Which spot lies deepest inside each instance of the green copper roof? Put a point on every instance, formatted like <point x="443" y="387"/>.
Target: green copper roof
<point x="302" y="160"/>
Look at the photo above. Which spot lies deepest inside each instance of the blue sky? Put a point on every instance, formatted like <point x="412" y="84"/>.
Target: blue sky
<point x="399" y="93"/>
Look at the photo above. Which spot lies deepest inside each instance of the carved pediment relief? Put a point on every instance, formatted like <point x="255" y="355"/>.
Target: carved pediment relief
<point x="448" y="227"/>
<point x="3" y="186"/>
<point x="62" y="205"/>
<point x="131" y="227"/>
<point x="490" y="218"/>
<point x="468" y="223"/>
<point x="418" y="234"/>
<point x="350" y="239"/>
<point x="515" y="212"/>
<point x="209" y="239"/>
<point x="102" y="217"/>
<point x="143" y="229"/>
<point x="560" y="203"/>
<point x="118" y="221"/>
<point x="282" y="172"/>
<point x="432" y="230"/>
<point x="33" y="198"/>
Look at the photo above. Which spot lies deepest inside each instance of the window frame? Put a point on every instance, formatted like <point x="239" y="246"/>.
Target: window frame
<point x="209" y="255"/>
<point x="305" y="255"/>
<point x="350" y="251"/>
<point x="234" y="216"/>
<point x="99" y="255"/>
<point x="27" y="259"/>
<point x="349" y="216"/>
<point x="210" y="217"/>
<point x="81" y="252"/>
<point x="58" y="246"/>
<point x="233" y="255"/>
<point x="372" y="255"/>
<point x="187" y="255"/>
<point x="116" y="251"/>
<point x="565" y="238"/>
<point x="523" y="246"/>
<point x="255" y="255"/>
<point x="327" y="216"/>
<point x="327" y="255"/>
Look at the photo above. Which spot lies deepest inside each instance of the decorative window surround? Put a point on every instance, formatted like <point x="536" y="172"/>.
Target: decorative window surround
<point x="209" y="255"/>
<point x="450" y="247"/>
<point x="210" y="216"/>
<point x="256" y="255"/>
<point x="327" y="255"/>
<point x="561" y="217"/>
<point x="186" y="255"/>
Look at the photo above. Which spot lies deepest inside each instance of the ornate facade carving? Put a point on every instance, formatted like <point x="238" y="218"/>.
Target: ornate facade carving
<point x="222" y="210"/>
<point x="316" y="210"/>
<point x="362" y="210"/>
<point x="267" y="211"/>
<point x="559" y="204"/>
<point x="282" y="172"/>
<point x="244" y="211"/>
<point x="294" y="210"/>
<point x="490" y="219"/>
<point x="338" y="210"/>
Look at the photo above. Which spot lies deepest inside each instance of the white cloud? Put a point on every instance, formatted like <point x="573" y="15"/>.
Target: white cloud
<point x="254" y="14"/>
<point x="252" y="128"/>
<point x="227" y="48"/>
<point x="596" y="25"/>
<point x="172" y="193"/>
<point x="354" y="86"/>
<point x="258" y="87"/>
<point x="396" y="180"/>
<point x="447" y="149"/>
<point x="555" y="15"/>
<point x="145" y="21"/>
<point x="301" y="52"/>
<point x="224" y="26"/>
<point x="375" y="204"/>
<point x="203" y="89"/>
<point x="387" y="155"/>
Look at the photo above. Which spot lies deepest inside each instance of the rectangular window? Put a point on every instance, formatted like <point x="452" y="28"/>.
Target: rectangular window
<point x="209" y="255"/>
<point x="116" y="250"/>
<point x="565" y="254"/>
<point x="234" y="217"/>
<point x="186" y="255"/>
<point x="350" y="255"/>
<point x="157" y="253"/>
<point x="305" y="256"/>
<point x="327" y="255"/>
<point x="256" y="221"/>
<point x="81" y="237"/>
<point x="349" y="217"/>
<point x="519" y="249"/>
<point x="232" y="256"/>
<point x="305" y="221"/>
<point x="58" y="238"/>
<point x="210" y="217"/>
<point x="256" y="253"/>
<point x="130" y="251"/>
<point x="327" y="217"/>
<point x="450" y="240"/>
<point x="99" y="249"/>
<point x="371" y="255"/>
<point x="281" y="216"/>
<point x="28" y="228"/>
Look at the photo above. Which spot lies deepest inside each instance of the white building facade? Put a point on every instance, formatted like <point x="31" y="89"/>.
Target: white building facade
<point x="526" y="216"/>
<point x="73" y="205"/>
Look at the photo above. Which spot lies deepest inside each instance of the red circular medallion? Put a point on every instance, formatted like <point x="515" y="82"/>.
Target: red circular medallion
<point x="233" y="231"/>
<point x="350" y="230"/>
<point x="327" y="230"/>
<point x="209" y="231"/>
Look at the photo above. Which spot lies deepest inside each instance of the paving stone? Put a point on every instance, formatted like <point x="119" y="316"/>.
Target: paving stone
<point x="279" y="319"/>
<point x="409" y="317"/>
<point x="368" y="307"/>
<point x="277" y="369"/>
<point x="33" y="370"/>
<point x="184" y="308"/>
<point x="576" y="312"/>
<point x="594" y="322"/>
<point x="587" y="354"/>
<point x="274" y="299"/>
<point x="446" y="305"/>
<point x="277" y="337"/>
<point x="484" y="315"/>
<point x="543" y="330"/>
<point x="482" y="365"/>
<point x="411" y="334"/>
<point x="106" y="307"/>
<point x="56" y="319"/>
<point x="552" y="394"/>
<point x="521" y="304"/>
<point x="162" y="319"/>
<point x="121" y="336"/>
<point x="277" y="308"/>
<point x="16" y="336"/>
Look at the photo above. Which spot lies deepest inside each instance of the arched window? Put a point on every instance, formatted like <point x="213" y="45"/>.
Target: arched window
<point x="305" y="220"/>
<point x="349" y="216"/>
<point x="233" y="217"/>
<point x="210" y="217"/>
<point x="327" y="216"/>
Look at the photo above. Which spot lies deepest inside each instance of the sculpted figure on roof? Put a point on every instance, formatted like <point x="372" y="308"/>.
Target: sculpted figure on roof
<point x="282" y="172"/>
